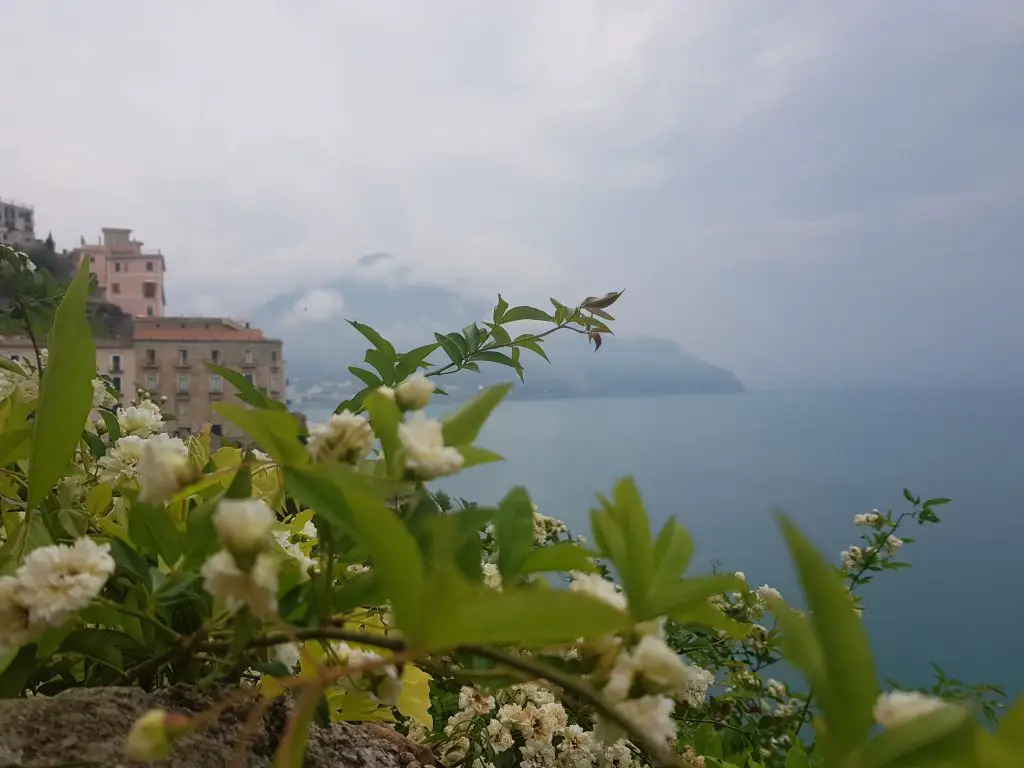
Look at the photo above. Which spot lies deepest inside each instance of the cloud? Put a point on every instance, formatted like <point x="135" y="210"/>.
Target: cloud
<point x="317" y="306"/>
<point x="799" y="191"/>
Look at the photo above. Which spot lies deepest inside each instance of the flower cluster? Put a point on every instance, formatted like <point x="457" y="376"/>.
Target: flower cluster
<point x="245" y="571"/>
<point x="51" y="585"/>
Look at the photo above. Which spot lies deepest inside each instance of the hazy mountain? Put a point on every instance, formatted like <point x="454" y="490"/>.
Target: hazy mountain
<point x="319" y="345"/>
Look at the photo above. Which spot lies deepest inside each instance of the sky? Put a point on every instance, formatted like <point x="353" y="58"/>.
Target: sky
<point x="811" y="194"/>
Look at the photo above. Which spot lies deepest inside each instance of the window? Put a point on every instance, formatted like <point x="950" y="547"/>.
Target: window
<point x="149" y="290"/>
<point x="215" y="355"/>
<point x="273" y="381"/>
<point x="183" y="382"/>
<point x="273" y="355"/>
<point x="115" y="287"/>
<point x="150" y="356"/>
<point x="182" y="357"/>
<point x="115" y="362"/>
<point x="216" y="385"/>
<point x="248" y="357"/>
<point x="117" y="382"/>
<point x="182" y="407"/>
<point x="151" y="381"/>
<point x="117" y="266"/>
<point x="249" y="378"/>
<point x="215" y="429"/>
<point x="149" y="266"/>
<point x="149" y="310"/>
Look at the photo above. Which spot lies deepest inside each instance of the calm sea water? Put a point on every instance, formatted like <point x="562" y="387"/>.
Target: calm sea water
<point x="722" y="464"/>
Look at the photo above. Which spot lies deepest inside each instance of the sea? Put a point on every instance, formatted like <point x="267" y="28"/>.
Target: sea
<point x="722" y="464"/>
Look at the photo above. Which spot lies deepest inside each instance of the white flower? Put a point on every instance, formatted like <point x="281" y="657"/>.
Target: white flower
<point x="223" y="579"/>
<point x="120" y="463"/>
<point x="57" y="581"/>
<point x="598" y="587"/>
<point x="893" y="544"/>
<point x="899" y="707"/>
<point x="309" y="531"/>
<point x="618" y="755"/>
<point x="577" y="748"/>
<point x="648" y="714"/>
<point x="537" y="753"/>
<point x="287" y="654"/>
<point x="499" y="736"/>
<point x="15" y="630"/>
<point x="426" y="455"/>
<point x="164" y="468"/>
<point x="871" y="519"/>
<point x="29" y="387"/>
<point x="294" y="551"/>
<point x="774" y="688"/>
<point x="460" y="722"/>
<point x="414" y="393"/>
<point x="477" y="702"/>
<point x="259" y="457"/>
<point x="243" y="525"/>
<point x="345" y="437"/>
<point x="740" y="575"/>
<point x="454" y="752"/>
<point x="357" y="568"/>
<point x="696" y="690"/>
<point x="852" y="557"/>
<point x="101" y="397"/>
<point x="545" y="527"/>
<point x="142" y="420"/>
<point x="492" y="576"/>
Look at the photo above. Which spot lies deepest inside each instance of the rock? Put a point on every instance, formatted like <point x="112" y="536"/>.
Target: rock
<point x="87" y="727"/>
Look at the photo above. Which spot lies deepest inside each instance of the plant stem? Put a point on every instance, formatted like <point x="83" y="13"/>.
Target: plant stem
<point x="31" y="335"/>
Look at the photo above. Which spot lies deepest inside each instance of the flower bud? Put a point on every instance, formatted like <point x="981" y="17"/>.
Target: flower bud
<point x="414" y="393"/>
<point x="243" y="526"/>
<point x="152" y="735"/>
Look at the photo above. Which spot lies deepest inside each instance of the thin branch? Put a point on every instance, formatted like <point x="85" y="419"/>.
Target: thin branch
<point x="31" y="334"/>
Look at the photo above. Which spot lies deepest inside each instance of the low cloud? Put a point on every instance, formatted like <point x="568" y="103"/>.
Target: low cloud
<point x="317" y="306"/>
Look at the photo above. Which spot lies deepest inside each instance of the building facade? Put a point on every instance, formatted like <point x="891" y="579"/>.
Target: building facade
<point x="17" y="223"/>
<point x="170" y="358"/>
<point x="130" y="278"/>
<point x="115" y="358"/>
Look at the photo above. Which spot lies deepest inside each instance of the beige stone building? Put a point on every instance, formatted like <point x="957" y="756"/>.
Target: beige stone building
<point x="170" y="357"/>
<point x="114" y="358"/>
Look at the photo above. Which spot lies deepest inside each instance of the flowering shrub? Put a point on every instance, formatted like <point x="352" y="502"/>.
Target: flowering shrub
<point x="319" y="565"/>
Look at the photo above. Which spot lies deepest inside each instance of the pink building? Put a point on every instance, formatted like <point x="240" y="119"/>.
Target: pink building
<point x="131" y="278"/>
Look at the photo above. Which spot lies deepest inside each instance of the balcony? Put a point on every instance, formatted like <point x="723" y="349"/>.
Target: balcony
<point x="182" y="365"/>
<point x="115" y="368"/>
<point x="248" y="363"/>
<point x="148" y="363"/>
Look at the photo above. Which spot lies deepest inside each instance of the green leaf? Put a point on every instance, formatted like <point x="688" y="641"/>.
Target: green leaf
<point x="637" y="565"/>
<point x="14" y="444"/>
<point x="450" y="348"/>
<point x="797" y="757"/>
<point x="524" y="617"/>
<point x="398" y="564"/>
<point x="65" y="394"/>
<point x="385" y="418"/>
<point x="472" y="335"/>
<point x="367" y="377"/>
<point x="292" y="749"/>
<point x="800" y="646"/>
<point x="7" y="364"/>
<point x="499" y="310"/>
<point x="130" y="563"/>
<point x="686" y="594"/>
<point x="499" y="335"/>
<point x="1011" y="727"/>
<point x="534" y="346"/>
<point x="462" y="425"/>
<point x="501" y="358"/>
<point x="101" y="645"/>
<point x="940" y="737"/>
<point x="247" y="392"/>
<point x="18" y="672"/>
<point x="849" y="667"/>
<point x="413" y="360"/>
<point x="374" y="338"/>
<point x="607" y="536"/>
<point x="526" y="313"/>
<point x="601" y="303"/>
<point x="471" y="456"/>
<point x="563" y="556"/>
<point x="513" y="532"/>
<point x="112" y="424"/>
<point x="383" y="363"/>
<point x="152" y="529"/>
<point x="276" y="432"/>
<point x="673" y="551"/>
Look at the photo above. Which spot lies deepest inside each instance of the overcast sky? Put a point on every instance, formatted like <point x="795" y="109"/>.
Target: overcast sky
<point x="805" y="192"/>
